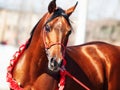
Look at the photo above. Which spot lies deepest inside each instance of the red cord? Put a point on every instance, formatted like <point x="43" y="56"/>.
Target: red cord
<point x="79" y="82"/>
<point x="63" y="73"/>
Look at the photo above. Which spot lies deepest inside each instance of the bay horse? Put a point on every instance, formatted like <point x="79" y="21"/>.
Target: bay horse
<point x="45" y="57"/>
<point x="32" y="66"/>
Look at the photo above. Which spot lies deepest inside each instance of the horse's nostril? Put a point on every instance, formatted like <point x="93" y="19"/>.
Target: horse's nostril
<point x="53" y="62"/>
<point x="52" y="59"/>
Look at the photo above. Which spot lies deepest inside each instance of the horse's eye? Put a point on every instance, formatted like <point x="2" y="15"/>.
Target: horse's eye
<point x="47" y="28"/>
<point x="69" y="32"/>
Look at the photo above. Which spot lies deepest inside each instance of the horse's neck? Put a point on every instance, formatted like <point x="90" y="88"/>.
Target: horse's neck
<point x="37" y="37"/>
<point x="33" y="57"/>
<point x="36" y="49"/>
<point x="36" y="46"/>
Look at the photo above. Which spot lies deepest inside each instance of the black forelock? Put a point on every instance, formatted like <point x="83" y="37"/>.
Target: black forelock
<point x="59" y="12"/>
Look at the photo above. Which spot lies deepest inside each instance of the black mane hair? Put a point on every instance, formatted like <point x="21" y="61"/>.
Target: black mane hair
<point x="31" y="35"/>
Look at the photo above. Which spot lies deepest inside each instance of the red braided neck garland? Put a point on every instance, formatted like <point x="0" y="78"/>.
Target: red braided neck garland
<point x="12" y="83"/>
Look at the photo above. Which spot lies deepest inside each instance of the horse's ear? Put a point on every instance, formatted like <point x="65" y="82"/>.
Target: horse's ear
<point x="52" y="6"/>
<point x="70" y="10"/>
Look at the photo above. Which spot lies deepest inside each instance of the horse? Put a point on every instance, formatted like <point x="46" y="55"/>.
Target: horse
<point x="32" y="66"/>
<point x="45" y="58"/>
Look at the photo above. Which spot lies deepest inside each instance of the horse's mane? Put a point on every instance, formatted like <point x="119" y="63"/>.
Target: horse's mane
<point x="31" y="35"/>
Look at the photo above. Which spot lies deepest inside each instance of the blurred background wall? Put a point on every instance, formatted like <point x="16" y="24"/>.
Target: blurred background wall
<point x="103" y="21"/>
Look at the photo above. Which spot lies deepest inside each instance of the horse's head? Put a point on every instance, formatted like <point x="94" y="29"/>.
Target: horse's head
<point x="56" y="32"/>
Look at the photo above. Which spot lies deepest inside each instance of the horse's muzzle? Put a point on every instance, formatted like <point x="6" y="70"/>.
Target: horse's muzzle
<point x="54" y="65"/>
